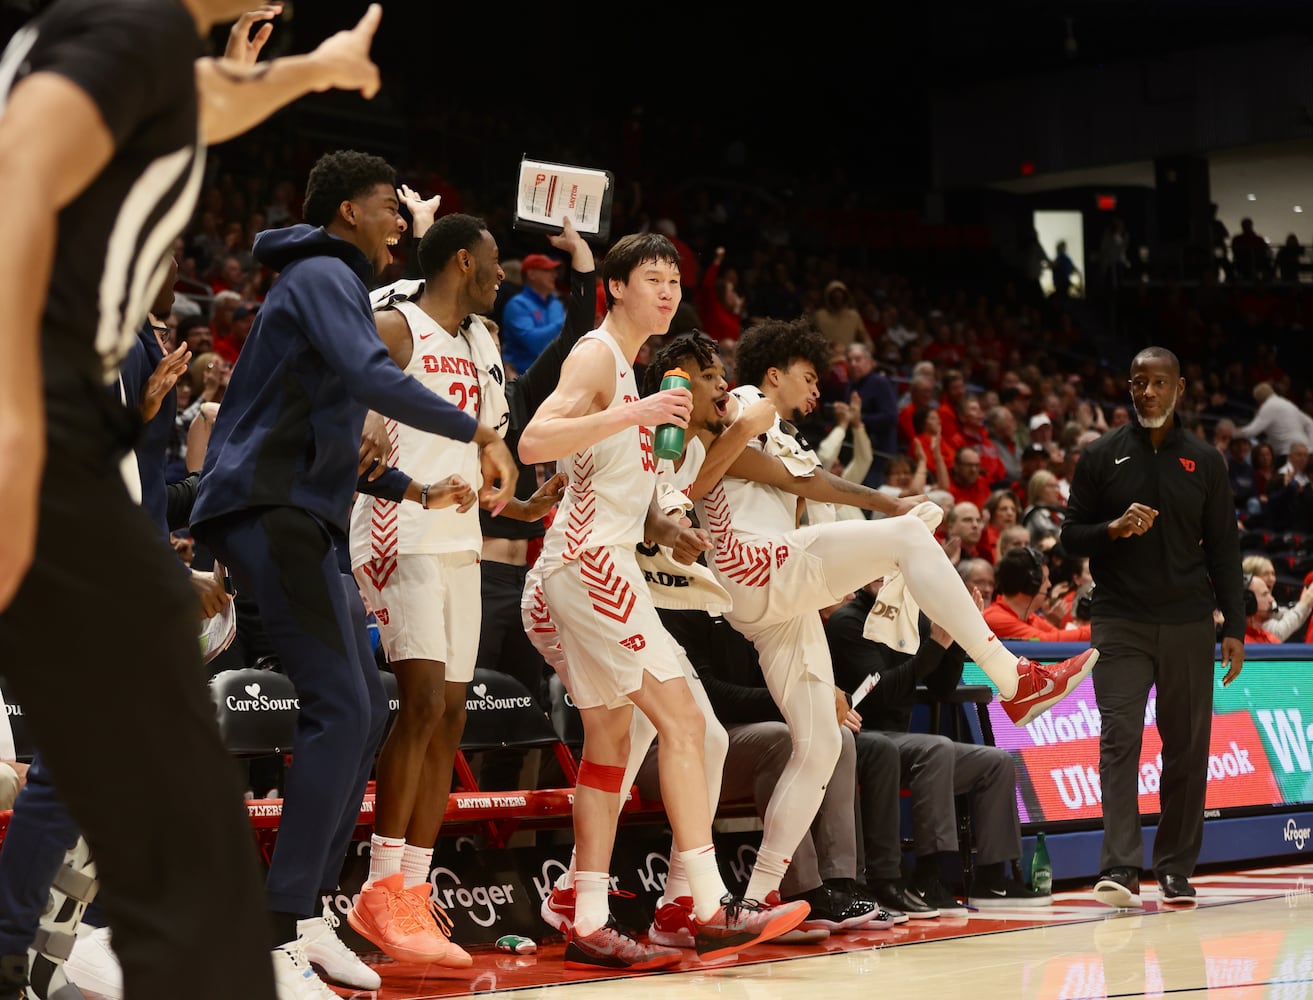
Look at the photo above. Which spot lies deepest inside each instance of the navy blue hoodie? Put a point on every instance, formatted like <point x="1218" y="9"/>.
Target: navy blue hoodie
<point x="153" y="441"/>
<point x="288" y="432"/>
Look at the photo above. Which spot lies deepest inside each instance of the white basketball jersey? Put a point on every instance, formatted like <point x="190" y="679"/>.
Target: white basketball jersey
<point x="611" y="483"/>
<point x="753" y="509"/>
<point x="381" y="529"/>
<point x="682" y="478"/>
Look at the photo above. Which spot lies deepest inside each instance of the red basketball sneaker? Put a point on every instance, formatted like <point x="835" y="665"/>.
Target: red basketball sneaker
<point x="672" y="924"/>
<point x="558" y="909"/>
<point x="1040" y="686"/>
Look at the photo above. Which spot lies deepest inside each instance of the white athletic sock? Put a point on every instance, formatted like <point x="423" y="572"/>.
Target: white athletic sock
<point x="592" y="907"/>
<point x="416" y="863"/>
<point x="676" y="880"/>
<point x="384" y="856"/>
<point x="705" y="883"/>
<point x="999" y="665"/>
<point x="767" y="874"/>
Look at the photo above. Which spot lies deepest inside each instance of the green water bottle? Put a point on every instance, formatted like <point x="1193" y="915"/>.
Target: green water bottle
<point x="1041" y="868"/>
<point x="670" y="437"/>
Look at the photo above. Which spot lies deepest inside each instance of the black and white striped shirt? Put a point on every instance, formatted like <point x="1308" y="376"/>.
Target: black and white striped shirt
<point x="135" y="60"/>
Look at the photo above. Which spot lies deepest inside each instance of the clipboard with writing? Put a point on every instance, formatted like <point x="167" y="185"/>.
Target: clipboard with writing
<point x="547" y="192"/>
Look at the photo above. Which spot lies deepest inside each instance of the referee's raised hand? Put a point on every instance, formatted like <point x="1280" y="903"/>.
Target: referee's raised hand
<point x="343" y="58"/>
<point x="243" y="47"/>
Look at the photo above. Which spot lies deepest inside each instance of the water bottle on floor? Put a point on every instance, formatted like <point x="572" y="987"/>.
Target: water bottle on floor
<point x="1041" y="869"/>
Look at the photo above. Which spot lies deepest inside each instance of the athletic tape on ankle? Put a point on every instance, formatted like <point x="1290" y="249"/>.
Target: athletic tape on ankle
<point x="603" y="777"/>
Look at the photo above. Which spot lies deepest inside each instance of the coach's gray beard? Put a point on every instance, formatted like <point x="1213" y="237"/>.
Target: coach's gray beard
<point x="1153" y="423"/>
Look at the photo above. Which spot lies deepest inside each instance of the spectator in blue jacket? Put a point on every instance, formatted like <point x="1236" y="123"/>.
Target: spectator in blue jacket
<point x="533" y="318"/>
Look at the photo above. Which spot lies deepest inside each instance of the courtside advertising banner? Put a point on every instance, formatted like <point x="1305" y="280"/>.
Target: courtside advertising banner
<point x="1260" y="753"/>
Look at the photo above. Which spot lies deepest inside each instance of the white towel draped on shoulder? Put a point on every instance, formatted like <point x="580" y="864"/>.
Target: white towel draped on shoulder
<point x="675" y="586"/>
<point x="894" y="618"/>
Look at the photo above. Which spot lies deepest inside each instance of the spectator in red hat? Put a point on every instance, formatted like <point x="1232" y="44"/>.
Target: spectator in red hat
<point x="533" y="318"/>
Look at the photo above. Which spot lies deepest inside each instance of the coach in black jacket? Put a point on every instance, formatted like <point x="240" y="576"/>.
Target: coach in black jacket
<point x="1151" y="505"/>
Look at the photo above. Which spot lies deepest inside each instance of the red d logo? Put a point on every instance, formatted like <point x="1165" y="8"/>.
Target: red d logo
<point x="1187" y="464"/>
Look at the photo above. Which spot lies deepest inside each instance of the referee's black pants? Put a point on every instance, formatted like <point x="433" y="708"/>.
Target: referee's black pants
<point x="101" y="647"/>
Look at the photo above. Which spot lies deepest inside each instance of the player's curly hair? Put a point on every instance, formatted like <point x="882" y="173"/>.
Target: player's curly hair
<point x="341" y="176"/>
<point x="693" y="350"/>
<point x="777" y="343"/>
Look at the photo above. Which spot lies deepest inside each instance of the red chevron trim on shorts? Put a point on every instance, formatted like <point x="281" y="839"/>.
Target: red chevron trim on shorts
<point x="538" y="613"/>
<point x="746" y="565"/>
<point x="610" y="592"/>
<point x="380" y="571"/>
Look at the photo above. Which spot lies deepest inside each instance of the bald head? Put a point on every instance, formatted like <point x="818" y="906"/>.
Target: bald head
<point x="1160" y="356"/>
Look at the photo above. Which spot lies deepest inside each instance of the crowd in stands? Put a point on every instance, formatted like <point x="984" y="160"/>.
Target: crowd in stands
<point x="967" y="388"/>
<point x="975" y="392"/>
<point x="291" y="310"/>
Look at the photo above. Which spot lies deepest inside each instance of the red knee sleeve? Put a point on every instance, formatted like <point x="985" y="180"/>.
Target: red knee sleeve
<point x="601" y="776"/>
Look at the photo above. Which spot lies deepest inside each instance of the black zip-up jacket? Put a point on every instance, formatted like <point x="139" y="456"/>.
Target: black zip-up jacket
<point x="1188" y="563"/>
<point x="891" y="702"/>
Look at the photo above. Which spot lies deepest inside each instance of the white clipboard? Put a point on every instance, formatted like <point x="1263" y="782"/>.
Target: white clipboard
<point x="547" y="192"/>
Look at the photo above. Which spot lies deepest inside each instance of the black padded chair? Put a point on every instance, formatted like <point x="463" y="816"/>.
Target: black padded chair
<point x="1287" y="588"/>
<point x="1256" y="540"/>
<point x="501" y="713"/>
<point x="258" y="708"/>
<point x="257" y="711"/>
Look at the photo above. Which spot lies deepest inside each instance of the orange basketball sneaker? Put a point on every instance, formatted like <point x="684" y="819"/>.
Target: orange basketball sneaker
<point x="405" y="923"/>
<point x="1040" y="686"/>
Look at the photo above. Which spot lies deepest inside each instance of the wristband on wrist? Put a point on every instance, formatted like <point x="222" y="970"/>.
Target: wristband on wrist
<point x="424" y="496"/>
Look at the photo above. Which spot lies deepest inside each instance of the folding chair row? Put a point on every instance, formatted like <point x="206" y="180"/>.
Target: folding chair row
<point x="257" y="712"/>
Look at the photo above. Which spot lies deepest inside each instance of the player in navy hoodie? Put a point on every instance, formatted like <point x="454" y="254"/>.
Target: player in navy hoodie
<point x="275" y="500"/>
